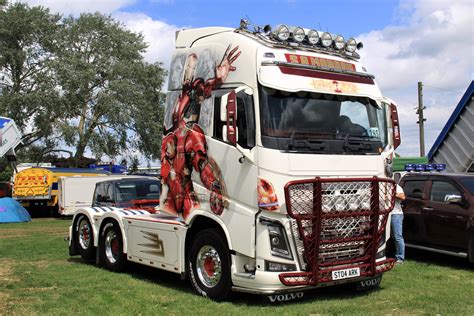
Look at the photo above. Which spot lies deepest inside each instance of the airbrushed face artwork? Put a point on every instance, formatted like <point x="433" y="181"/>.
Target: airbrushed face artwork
<point x="184" y="147"/>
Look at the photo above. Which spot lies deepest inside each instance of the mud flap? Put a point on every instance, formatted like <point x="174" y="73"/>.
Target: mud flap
<point x="73" y="251"/>
<point x="369" y="284"/>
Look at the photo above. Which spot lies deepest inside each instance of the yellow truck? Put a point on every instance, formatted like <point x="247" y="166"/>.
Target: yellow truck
<point x="37" y="188"/>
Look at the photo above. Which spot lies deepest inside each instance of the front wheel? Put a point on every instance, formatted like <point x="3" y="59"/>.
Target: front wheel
<point x="84" y="237"/>
<point x="111" y="247"/>
<point x="209" y="265"/>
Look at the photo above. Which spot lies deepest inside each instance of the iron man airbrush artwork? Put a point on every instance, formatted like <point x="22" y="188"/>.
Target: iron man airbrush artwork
<point x="184" y="146"/>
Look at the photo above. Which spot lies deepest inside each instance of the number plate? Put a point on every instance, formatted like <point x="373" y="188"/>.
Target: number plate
<point x="346" y="273"/>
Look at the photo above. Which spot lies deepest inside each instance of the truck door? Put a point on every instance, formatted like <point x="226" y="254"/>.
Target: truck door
<point x="236" y="162"/>
<point x="446" y="223"/>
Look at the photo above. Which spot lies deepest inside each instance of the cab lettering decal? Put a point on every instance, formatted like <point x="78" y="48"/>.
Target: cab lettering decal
<point x="320" y="62"/>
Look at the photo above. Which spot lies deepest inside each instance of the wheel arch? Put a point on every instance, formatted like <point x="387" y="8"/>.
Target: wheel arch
<point x="114" y="217"/>
<point x="88" y="212"/>
<point x="201" y="222"/>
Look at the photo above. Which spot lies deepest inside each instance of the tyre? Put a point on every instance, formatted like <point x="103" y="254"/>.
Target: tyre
<point x="111" y="247"/>
<point x="84" y="237"/>
<point x="209" y="265"/>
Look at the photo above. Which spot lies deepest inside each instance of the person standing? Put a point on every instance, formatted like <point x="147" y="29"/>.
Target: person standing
<point x="397" y="226"/>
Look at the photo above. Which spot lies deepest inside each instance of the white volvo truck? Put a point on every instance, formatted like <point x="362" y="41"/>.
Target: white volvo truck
<point x="276" y="168"/>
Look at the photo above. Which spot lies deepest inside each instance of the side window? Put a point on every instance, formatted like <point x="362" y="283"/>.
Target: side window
<point x="99" y="193"/>
<point x="414" y="189"/>
<point x="440" y="189"/>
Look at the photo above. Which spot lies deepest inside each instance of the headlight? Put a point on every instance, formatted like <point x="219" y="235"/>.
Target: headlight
<point x="298" y="34"/>
<point x="279" y="244"/>
<point x="339" y="42"/>
<point x="326" y="39"/>
<point x="351" y="45"/>
<point x="313" y="37"/>
<point x="282" y="32"/>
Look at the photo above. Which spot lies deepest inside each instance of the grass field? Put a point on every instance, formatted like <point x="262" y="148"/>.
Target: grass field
<point x="37" y="276"/>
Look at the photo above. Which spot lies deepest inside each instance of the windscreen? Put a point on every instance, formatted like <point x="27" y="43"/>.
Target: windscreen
<point x="319" y="123"/>
<point x="137" y="190"/>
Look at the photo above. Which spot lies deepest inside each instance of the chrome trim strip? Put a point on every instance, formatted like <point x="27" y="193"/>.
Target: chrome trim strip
<point x="445" y="252"/>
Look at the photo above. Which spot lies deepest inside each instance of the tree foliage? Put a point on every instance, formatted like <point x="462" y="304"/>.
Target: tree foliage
<point x="29" y="94"/>
<point x="111" y="97"/>
<point x="79" y="83"/>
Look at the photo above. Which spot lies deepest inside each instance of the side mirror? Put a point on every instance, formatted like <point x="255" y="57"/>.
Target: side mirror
<point x="453" y="199"/>
<point x="229" y="115"/>
<point x="397" y="139"/>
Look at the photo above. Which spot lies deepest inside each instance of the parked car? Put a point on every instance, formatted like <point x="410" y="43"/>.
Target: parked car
<point x="439" y="213"/>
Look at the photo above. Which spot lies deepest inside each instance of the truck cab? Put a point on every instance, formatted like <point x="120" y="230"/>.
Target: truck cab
<point x="276" y="167"/>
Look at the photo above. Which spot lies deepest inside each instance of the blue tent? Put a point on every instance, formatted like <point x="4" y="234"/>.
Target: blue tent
<point x="12" y="212"/>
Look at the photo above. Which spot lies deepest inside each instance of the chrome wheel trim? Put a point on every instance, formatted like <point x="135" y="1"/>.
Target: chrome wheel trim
<point x="110" y="240"/>
<point x="85" y="232"/>
<point x="208" y="266"/>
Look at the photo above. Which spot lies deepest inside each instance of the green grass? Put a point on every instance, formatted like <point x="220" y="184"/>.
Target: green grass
<point x="37" y="276"/>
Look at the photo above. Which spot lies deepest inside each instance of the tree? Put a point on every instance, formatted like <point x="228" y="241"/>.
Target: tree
<point x="111" y="97"/>
<point x="28" y="93"/>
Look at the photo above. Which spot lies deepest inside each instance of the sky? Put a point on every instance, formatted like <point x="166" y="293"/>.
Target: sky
<point x="405" y="41"/>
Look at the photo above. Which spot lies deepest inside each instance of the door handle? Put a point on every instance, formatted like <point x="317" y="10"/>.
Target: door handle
<point x="428" y="209"/>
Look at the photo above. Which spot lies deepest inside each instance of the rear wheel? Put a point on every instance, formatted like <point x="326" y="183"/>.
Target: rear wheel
<point x="209" y="265"/>
<point x="111" y="247"/>
<point x="84" y="237"/>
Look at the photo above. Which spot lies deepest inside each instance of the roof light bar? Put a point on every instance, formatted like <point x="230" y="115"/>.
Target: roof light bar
<point x="296" y="36"/>
<point x="425" y="167"/>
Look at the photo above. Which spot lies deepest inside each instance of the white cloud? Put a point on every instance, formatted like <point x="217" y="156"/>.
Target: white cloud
<point x="75" y="7"/>
<point x="159" y="35"/>
<point x="434" y="45"/>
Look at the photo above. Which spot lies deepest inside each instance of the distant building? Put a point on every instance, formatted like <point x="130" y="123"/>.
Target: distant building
<point x="455" y="144"/>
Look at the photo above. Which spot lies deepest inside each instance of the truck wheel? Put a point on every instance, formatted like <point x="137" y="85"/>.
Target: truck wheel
<point x="84" y="237"/>
<point x="111" y="247"/>
<point x="209" y="265"/>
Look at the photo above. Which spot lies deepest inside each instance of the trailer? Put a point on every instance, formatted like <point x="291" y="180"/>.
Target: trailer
<point x="276" y="169"/>
<point x="37" y="188"/>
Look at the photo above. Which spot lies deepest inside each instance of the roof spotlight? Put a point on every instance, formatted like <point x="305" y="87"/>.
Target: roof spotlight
<point x="313" y="37"/>
<point x="351" y="45"/>
<point x="282" y="32"/>
<point x="339" y="42"/>
<point x="360" y="46"/>
<point x="298" y="34"/>
<point x="326" y="39"/>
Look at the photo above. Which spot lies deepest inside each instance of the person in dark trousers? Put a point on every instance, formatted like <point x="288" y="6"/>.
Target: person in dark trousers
<point x="397" y="226"/>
